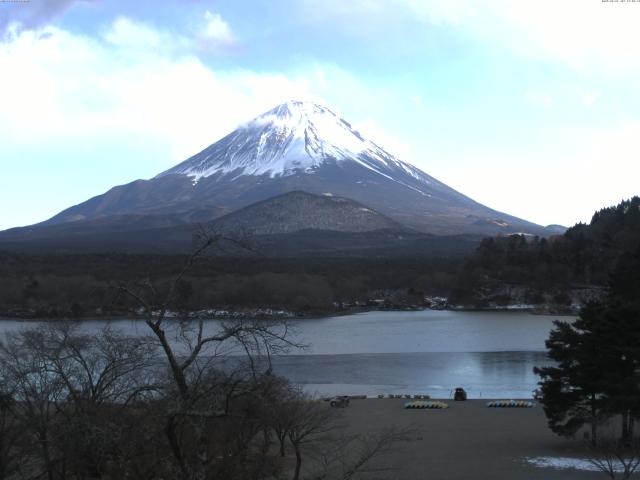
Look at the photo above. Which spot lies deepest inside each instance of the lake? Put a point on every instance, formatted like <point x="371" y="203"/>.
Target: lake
<point x="490" y="354"/>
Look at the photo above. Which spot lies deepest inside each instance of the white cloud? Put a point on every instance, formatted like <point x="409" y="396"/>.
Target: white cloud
<point x="611" y="157"/>
<point x="540" y="99"/>
<point x="217" y="30"/>
<point x="134" y="83"/>
<point x="567" y="96"/>
<point x="125" y="33"/>
<point x="583" y="34"/>
<point x="565" y="185"/>
<point x="587" y="96"/>
<point x="432" y="11"/>
<point x="460" y="12"/>
<point x="588" y="35"/>
<point x="588" y="99"/>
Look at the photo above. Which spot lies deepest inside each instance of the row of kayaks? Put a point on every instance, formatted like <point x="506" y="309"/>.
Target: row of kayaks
<point x="418" y="404"/>
<point x="492" y="404"/>
<point x="510" y="404"/>
<point x="417" y="397"/>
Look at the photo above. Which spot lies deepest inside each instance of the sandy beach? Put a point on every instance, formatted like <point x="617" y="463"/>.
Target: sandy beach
<point x="465" y="441"/>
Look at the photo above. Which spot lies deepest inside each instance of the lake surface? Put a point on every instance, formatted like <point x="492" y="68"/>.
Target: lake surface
<point x="490" y="354"/>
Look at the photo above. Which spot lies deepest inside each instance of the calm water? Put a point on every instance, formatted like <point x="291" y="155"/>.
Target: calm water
<point x="490" y="354"/>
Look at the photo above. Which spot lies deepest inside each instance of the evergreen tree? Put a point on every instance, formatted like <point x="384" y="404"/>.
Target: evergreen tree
<point x="572" y="392"/>
<point x="598" y="360"/>
<point x="621" y="342"/>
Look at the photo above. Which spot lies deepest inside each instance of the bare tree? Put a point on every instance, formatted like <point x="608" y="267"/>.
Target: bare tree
<point x="68" y="392"/>
<point x="102" y="374"/>
<point x="11" y="436"/>
<point x="191" y="351"/>
<point x="27" y="375"/>
<point x="614" y="457"/>
<point x="104" y="368"/>
<point x="310" y="420"/>
<point x="348" y="456"/>
<point x="252" y="337"/>
<point x="280" y="403"/>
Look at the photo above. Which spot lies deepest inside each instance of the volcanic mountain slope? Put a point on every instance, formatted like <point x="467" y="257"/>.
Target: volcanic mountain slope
<point x="289" y="225"/>
<point x="299" y="146"/>
<point x="296" y="211"/>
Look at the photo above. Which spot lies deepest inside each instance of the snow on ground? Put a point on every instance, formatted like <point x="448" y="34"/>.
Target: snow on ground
<point x="565" y="463"/>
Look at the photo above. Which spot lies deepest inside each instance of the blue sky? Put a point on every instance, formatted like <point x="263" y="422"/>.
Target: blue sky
<point x="530" y="107"/>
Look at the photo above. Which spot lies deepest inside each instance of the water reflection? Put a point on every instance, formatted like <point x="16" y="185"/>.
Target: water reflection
<point x="482" y="374"/>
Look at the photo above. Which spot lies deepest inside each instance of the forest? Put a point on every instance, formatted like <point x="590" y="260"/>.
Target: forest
<point x="55" y="286"/>
<point x="558" y="272"/>
<point x="543" y="269"/>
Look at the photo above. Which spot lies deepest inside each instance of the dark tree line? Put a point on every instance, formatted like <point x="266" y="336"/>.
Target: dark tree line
<point x="550" y="267"/>
<point x="75" y="286"/>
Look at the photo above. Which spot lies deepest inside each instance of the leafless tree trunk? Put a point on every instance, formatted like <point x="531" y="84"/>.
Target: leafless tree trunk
<point x="349" y="456"/>
<point x="615" y="457"/>
<point x="190" y="412"/>
<point x="10" y="436"/>
<point x="27" y="374"/>
<point x="309" y="421"/>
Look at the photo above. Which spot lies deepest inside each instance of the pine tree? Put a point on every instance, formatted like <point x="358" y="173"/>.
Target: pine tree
<point x="621" y="342"/>
<point x="598" y="360"/>
<point x="572" y="391"/>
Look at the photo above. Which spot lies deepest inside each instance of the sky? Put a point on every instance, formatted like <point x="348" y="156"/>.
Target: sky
<point x="531" y="107"/>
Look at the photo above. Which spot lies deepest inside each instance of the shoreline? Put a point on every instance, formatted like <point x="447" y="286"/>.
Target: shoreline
<point x="295" y="316"/>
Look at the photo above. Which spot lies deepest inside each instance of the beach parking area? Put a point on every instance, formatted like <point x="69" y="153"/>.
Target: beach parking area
<point x="465" y="441"/>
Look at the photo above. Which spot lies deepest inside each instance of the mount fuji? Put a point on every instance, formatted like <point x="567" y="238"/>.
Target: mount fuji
<point x="295" y="147"/>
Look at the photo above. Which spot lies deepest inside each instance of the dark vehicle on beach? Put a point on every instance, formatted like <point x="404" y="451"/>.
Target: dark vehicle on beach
<point x="339" y="402"/>
<point x="460" y="394"/>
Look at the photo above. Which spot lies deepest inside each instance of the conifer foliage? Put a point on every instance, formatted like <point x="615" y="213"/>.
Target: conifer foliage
<point x="597" y="371"/>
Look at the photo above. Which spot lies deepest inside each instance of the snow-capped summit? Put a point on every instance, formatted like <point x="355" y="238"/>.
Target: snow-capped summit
<point x="293" y="137"/>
